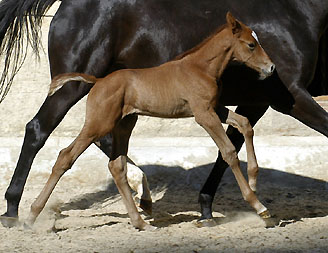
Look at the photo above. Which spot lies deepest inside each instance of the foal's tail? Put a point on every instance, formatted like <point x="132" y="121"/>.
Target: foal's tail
<point x="59" y="81"/>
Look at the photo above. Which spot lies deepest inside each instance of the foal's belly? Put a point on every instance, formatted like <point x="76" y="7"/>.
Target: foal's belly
<point x="164" y="110"/>
<point x="156" y="106"/>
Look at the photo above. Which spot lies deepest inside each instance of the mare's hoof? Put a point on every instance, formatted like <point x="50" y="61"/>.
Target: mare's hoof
<point x="8" y="221"/>
<point x="145" y="205"/>
<point x="205" y="223"/>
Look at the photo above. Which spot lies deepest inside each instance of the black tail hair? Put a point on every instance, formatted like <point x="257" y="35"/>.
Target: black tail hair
<point x="20" y="22"/>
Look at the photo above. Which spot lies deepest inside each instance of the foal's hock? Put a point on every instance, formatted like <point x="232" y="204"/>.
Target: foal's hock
<point x="184" y="87"/>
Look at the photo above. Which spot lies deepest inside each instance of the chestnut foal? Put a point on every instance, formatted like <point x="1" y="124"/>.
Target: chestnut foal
<point x="184" y="87"/>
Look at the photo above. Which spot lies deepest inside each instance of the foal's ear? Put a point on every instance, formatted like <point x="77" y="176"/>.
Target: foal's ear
<point x="233" y="23"/>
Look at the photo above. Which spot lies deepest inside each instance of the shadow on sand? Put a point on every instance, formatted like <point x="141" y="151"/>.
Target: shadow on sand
<point x="287" y="196"/>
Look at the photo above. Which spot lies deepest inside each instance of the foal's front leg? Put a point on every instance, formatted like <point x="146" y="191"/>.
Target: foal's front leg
<point x="208" y="119"/>
<point x="245" y="128"/>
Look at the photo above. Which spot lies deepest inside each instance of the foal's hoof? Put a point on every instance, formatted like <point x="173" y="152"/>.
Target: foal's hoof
<point x="27" y="226"/>
<point x="265" y="214"/>
<point x="145" y="205"/>
<point x="205" y="223"/>
<point x="8" y="221"/>
<point x="269" y="220"/>
<point x="149" y="227"/>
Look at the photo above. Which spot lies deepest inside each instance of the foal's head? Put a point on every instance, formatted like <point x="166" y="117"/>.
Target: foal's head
<point x="247" y="49"/>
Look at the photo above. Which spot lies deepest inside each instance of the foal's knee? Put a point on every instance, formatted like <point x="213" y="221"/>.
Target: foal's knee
<point x="246" y="127"/>
<point x="229" y="154"/>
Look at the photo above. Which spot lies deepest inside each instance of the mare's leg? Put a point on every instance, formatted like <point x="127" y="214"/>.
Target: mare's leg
<point x="208" y="191"/>
<point x="37" y="131"/>
<point x="118" y="168"/>
<point x="306" y="110"/>
<point x="66" y="54"/>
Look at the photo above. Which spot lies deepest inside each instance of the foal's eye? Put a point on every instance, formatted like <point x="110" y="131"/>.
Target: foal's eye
<point x="251" y="46"/>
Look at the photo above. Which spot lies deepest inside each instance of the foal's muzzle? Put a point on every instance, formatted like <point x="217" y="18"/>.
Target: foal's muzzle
<point x="268" y="71"/>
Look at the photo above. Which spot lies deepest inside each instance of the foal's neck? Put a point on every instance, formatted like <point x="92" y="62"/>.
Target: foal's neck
<point x="215" y="54"/>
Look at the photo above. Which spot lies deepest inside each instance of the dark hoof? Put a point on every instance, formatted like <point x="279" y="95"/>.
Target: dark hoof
<point x="8" y="221"/>
<point x="146" y="205"/>
<point x="205" y="223"/>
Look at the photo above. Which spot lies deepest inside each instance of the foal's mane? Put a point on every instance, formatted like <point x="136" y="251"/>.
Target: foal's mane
<point x="198" y="46"/>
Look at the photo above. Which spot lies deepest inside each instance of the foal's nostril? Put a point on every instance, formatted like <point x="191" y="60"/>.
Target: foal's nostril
<point x="272" y="68"/>
<point x="268" y="71"/>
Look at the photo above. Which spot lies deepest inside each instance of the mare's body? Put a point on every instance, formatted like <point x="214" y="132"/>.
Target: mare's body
<point x="137" y="34"/>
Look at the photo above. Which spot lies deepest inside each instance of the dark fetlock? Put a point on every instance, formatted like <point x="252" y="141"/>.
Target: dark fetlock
<point x="206" y="219"/>
<point x="205" y="202"/>
<point x="145" y="205"/>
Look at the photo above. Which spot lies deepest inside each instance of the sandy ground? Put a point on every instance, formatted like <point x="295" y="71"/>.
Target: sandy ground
<point x="86" y="213"/>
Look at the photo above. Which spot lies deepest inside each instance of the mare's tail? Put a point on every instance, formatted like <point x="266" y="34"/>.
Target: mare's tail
<point x="58" y="81"/>
<point x="20" y="20"/>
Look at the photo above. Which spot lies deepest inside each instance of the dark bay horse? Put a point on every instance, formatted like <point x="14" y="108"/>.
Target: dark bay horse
<point x="184" y="87"/>
<point x="138" y="34"/>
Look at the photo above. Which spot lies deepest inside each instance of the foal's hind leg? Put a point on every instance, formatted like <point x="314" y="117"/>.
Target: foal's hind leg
<point x="64" y="162"/>
<point x="118" y="169"/>
<point x="98" y="122"/>
<point x="37" y="131"/>
<point x="136" y="178"/>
